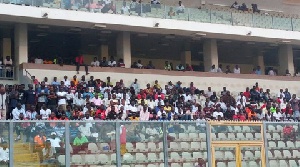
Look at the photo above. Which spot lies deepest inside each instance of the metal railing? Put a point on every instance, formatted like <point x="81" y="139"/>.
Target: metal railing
<point x="7" y="72"/>
<point x="206" y="15"/>
<point x="164" y="143"/>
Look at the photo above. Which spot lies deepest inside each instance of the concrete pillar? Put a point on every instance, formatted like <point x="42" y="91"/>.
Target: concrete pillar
<point x="104" y="52"/>
<point x="210" y="54"/>
<point x="285" y="55"/>
<point x="21" y="44"/>
<point x="258" y="60"/>
<point x="124" y="48"/>
<point x="5" y="48"/>
<point x="186" y="58"/>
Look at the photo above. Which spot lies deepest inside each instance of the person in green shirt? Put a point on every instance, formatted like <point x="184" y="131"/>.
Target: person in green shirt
<point x="80" y="143"/>
<point x="273" y="108"/>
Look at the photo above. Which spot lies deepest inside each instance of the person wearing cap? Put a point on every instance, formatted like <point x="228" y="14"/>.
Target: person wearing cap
<point x="55" y="142"/>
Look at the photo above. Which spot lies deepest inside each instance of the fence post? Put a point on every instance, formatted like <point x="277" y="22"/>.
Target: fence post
<point x="118" y="144"/>
<point x="67" y="144"/>
<point x="266" y="143"/>
<point x="208" y="143"/>
<point x="165" y="144"/>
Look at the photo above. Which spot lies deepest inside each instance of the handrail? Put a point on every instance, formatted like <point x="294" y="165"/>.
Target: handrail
<point x="161" y="10"/>
<point x="28" y="73"/>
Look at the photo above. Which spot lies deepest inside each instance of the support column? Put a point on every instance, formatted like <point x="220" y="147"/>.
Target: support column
<point x="5" y="48"/>
<point x="21" y="44"/>
<point x="259" y="61"/>
<point x="124" y="48"/>
<point x="210" y="54"/>
<point x="186" y="58"/>
<point x="104" y="52"/>
<point x="285" y="55"/>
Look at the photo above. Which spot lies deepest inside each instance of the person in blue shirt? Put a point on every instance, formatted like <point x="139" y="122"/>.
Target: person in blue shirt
<point x="258" y="71"/>
<point x="287" y="95"/>
<point x="87" y="93"/>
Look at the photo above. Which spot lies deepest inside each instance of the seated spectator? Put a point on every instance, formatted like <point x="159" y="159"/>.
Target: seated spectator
<point x="180" y="67"/>
<point x="271" y="72"/>
<point x="80" y="143"/>
<point x="289" y="133"/>
<point x="235" y="5"/>
<point x="188" y="67"/>
<point x="287" y="73"/>
<point x="38" y="61"/>
<point x="48" y="153"/>
<point x="228" y="69"/>
<point x="243" y="7"/>
<point x="180" y="8"/>
<point x="171" y="12"/>
<point x="121" y="63"/>
<point x="150" y="65"/>
<point x="4" y="152"/>
<point x="139" y="64"/>
<point x="112" y="62"/>
<point x="200" y="163"/>
<point x="79" y="61"/>
<point x="104" y="63"/>
<point x="125" y="9"/>
<point x="213" y="68"/>
<point x="168" y="66"/>
<point x="220" y="70"/>
<point x="95" y="63"/>
<point x="254" y="8"/>
<point x="236" y="69"/>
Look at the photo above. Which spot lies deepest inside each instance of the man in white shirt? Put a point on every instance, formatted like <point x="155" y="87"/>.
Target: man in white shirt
<point x="209" y="92"/>
<point x="54" y="141"/>
<point x="4" y="152"/>
<point x="135" y="86"/>
<point x="95" y="63"/>
<point x="220" y="69"/>
<point x="61" y="95"/>
<point x="17" y="111"/>
<point x="45" y="112"/>
<point x="213" y="68"/>
<point x="236" y="69"/>
<point x="112" y="62"/>
<point x="78" y="101"/>
<point x="3" y="101"/>
<point x="67" y="82"/>
<point x="218" y="113"/>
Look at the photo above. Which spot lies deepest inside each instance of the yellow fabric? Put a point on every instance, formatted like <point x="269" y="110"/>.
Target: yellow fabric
<point x="123" y="149"/>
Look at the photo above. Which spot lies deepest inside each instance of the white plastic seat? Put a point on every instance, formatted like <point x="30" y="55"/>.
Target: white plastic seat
<point x="176" y="165"/>
<point x="202" y="136"/>
<point x="231" y="136"/>
<point x="193" y="136"/>
<point x="129" y="146"/>
<point x="293" y="163"/>
<point x="249" y="135"/>
<point x="231" y="164"/>
<point x="191" y="129"/>
<point x="62" y="159"/>
<point x="272" y="144"/>
<point x="186" y="155"/>
<point x="76" y="159"/>
<point x="161" y="145"/>
<point x="197" y="155"/>
<point x="113" y="157"/>
<point x="287" y="154"/>
<point x="219" y="154"/>
<point x="271" y="128"/>
<point x="257" y="154"/>
<point x="296" y="154"/>
<point x="222" y="136"/>
<point x="128" y="157"/>
<point x="253" y="164"/>
<point x="279" y="128"/>
<point x="195" y="145"/>
<point x="277" y="154"/>
<point x="183" y="136"/>
<point x="152" y="157"/>
<point x="268" y="136"/>
<point x="187" y="165"/>
<point x="93" y="148"/>
<point x="90" y="159"/>
<point x="297" y="144"/>
<point x="184" y="145"/>
<point x="151" y="165"/>
<point x="283" y="163"/>
<point x="221" y="164"/>
<point x="175" y="156"/>
<point x="213" y="136"/>
<point x="290" y="144"/>
<point x="258" y="135"/>
<point x="273" y="163"/>
<point x="246" y="129"/>
<point x="238" y="128"/>
<point x="228" y="155"/>
<point x="140" y="157"/>
<point x="173" y="135"/>
<point x="103" y="158"/>
<point x="104" y="145"/>
<point x="276" y="136"/>
<point x="138" y="166"/>
<point x="248" y="154"/>
<point x="203" y="145"/>
<point x="174" y="145"/>
<point x="240" y="136"/>
<point x="152" y="146"/>
<point x="281" y="144"/>
<point x="141" y="146"/>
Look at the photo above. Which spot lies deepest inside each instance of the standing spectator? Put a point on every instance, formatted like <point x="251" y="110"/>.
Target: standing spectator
<point x="39" y="143"/>
<point x="3" y="102"/>
<point x="135" y="86"/>
<point x="295" y="106"/>
<point x="287" y="94"/>
<point x="42" y="93"/>
<point x="180" y="8"/>
<point x="17" y="111"/>
<point x="258" y="70"/>
<point x="61" y="96"/>
<point x="8" y="66"/>
<point x="30" y="96"/>
<point x="13" y="101"/>
<point x="4" y="152"/>
<point x="79" y="62"/>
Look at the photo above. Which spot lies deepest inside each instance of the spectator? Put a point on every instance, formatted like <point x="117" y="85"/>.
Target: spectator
<point x="188" y="67"/>
<point x="139" y="64"/>
<point x="254" y="8"/>
<point x="289" y="133"/>
<point x="121" y="63"/>
<point x="150" y="65"/>
<point x="17" y="111"/>
<point x="104" y="63"/>
<point x="236" y="69"/>
<point x="287" y="73"/>
<point x="95" y="63"/>
<point x="80" y="62"/>
<point x="235" y="5"/>
<point x="112" y="62"/>
<point x="213" y="68"/>
<point x="167" y="66"/>
<point x="4" y="152"/>
<point x="180" y="67"/>
<point x="271" y="72"/>
<point x="3" y="102"/>
<point x="39" y="143"/>
<point x="180" y="8"/>
<point x="220" y="69"/>
<point x="228" y="69"/>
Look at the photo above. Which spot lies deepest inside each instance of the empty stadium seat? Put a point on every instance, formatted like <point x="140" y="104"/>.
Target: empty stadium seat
<point x="129" y="146"/>
<point x="183" y="136"/>
<point x="152" y="157"/>
<point x="93" y="148"/>
<point x="140" y="157"/>
<point x="152" y="146"/>
<point x="175" y="156"/>
<point x="187" y="155"/>
<point x="174" y="146"/>
<point x="195" y="145"/>
<point x="128" y="157"/>
<point x="103" y="158"/>
<point x="141" y="146"/>
<point x="90" y="159"/>
<point x="76" y="159"/>
<point x="62" y="159"/>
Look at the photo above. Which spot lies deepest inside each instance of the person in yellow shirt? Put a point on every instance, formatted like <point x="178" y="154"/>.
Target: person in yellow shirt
<point x="75" y="80"/>
<point x="156" y="85"/>
<point x="167" y="107"/>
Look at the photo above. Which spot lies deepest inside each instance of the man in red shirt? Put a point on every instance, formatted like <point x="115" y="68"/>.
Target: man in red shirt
<point x="79" y="62"/>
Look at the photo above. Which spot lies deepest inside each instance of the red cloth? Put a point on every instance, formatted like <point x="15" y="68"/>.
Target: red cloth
<point x="123" y="135"/>
<point x="162" y="96"/>
<point x="102" y="113"/>
<point x="79" y="59"/>
<point x="247" y="94"/>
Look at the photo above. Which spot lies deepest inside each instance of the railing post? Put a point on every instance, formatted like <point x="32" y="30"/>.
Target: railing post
<point x="118" y="144"/>
<point x="67" y="144"/>
<point x="266" y="143"/>
<point x="165" y="144"/>
<point x="208" y="143"/>
<point x="11" y="143"/>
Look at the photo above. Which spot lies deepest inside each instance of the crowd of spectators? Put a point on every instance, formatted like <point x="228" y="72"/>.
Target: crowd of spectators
<point x="96" y="99"/>
<point x="244" y="7"/>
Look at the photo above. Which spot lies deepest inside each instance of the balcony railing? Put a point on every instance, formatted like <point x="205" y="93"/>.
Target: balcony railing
<point x="7" y="72"/>
<point x="205" y="15"/>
